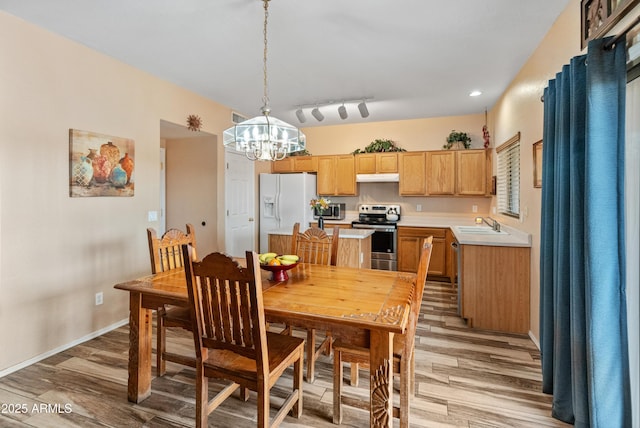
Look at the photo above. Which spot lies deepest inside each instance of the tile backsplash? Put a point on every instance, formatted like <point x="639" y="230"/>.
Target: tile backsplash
<point x="388" y="193"/>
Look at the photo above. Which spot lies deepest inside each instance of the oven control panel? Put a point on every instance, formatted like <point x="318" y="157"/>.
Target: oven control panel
<point x="387" y="211"/>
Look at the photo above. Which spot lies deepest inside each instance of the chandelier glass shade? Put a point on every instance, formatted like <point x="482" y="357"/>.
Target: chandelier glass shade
<point x="264" y="137"/>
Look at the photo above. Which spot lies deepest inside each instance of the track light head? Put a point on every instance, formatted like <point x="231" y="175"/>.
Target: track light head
<point x="364" y="111"/>
<point x="317" y="114"/>
<point x="342" y="111"/>
<point x="300" y="115"/>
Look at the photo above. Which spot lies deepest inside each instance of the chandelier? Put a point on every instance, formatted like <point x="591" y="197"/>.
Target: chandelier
<point x="265" y="137"/>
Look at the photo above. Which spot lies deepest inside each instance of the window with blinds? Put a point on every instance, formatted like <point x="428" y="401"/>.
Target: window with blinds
<point x="508" y="178"/>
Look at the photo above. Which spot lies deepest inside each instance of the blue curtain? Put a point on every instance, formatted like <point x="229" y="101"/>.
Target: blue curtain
<point x="583" y="333"/>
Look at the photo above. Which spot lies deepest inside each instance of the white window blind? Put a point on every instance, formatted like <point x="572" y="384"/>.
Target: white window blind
<point x="508" y="186"/>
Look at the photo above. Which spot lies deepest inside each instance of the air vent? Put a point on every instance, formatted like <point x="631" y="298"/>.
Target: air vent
<point x="237" y="117"/>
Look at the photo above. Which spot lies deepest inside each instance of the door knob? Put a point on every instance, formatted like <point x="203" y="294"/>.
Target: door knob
<point x="250" y="218"/>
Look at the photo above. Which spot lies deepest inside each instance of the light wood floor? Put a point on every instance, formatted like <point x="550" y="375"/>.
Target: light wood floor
<point x="464" y="378"/>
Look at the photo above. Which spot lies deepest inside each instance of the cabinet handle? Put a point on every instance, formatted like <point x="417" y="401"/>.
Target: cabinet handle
<point x="454" y="245"/>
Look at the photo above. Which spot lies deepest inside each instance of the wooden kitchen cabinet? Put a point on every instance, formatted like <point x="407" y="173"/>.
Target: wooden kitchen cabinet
<point x="472" y="172"/>
<point x="295" y="164"/>
<point x="412" y="169"/>
<point x="376" y="163"/>
<point x="336" y="175"/>
<point x="494" y="287"/>
<point x="441" y="172"/>
<point x="445" y="173"/>
<point x="409" y="240"/>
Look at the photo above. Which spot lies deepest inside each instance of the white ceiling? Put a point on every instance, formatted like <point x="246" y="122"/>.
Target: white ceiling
<point x="413" y="58"/>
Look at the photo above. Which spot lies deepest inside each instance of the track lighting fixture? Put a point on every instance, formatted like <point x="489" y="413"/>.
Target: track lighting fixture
<point x="342" y="108"/>
<point x="301" y="117"/>
<point x="317" y="114"/>
<point x="364" y="111"/>
<point x="342" y="111"/>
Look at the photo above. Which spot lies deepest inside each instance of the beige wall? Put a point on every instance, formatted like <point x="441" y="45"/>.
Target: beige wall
<point x="191" y="189"/>
<point x="56" y="252"/>
<point x="413" y="134"/>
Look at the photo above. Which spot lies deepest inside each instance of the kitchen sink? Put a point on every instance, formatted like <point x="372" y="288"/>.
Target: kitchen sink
<point x="479" y="230"/>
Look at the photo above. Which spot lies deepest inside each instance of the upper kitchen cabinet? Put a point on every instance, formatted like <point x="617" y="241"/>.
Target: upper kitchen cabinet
<point x="441" y="172"/>
<point x="336" y="175"/>
<point x="473" y="168"/>
<point x="445" y="173"/>
<point x="412" y="169"/>
<point x="295" y="164"/>
<point x="376" y="163"/>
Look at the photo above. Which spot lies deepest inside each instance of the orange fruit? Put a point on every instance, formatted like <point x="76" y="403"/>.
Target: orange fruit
<point x="274" y="262"/>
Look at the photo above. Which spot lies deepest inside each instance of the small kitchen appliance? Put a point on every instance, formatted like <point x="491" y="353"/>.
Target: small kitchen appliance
<point x="333" y="212"/>
<point x="383" y="219"/>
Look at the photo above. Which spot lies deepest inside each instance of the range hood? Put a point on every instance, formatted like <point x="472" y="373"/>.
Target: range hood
<point x="378" y="178"/>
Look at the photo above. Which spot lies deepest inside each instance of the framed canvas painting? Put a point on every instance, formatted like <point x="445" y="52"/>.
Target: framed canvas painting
<point x="100" y="165"/>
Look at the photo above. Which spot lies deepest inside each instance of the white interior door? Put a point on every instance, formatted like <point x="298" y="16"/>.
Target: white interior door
<point x="239" y="204"/>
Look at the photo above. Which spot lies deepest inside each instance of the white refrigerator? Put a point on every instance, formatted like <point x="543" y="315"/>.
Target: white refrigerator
<point x="284" y="200"/>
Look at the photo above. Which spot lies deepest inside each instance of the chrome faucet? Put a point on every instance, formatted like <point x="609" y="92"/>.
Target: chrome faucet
<point x="495" y="225"/>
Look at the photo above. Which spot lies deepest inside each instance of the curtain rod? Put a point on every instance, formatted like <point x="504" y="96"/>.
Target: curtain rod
<point x="611" y="43"/>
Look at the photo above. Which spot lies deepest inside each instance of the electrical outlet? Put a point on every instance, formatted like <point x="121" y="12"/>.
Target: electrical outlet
<point x="419" y="207"/>
<point x="99" y="297"/>
<point x="474" y="208"/>
<point x="152" y="216"/>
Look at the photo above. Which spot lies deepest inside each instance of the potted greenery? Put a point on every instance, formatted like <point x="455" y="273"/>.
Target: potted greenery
<point x="377" y="146"/>
<point x="458" y="140"/>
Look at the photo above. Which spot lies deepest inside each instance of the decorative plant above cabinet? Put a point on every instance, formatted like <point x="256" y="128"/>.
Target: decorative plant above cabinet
<point x="457" y="140"/>
<point x="303" y="152"/>
<point x="377" y="146"/>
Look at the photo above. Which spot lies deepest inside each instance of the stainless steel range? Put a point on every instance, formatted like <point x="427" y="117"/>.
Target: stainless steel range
<point x="383" y="219"/>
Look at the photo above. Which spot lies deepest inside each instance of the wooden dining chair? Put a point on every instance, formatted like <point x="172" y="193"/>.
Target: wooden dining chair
<point x="166" y="254"/>
<point x="316" y="247"/>
<point x="403" y="353"/>
<point x="231" y="340"/>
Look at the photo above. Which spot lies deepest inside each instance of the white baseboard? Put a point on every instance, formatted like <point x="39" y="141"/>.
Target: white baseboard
<point x="47" y="354"/>
<point x="534" y="339"/>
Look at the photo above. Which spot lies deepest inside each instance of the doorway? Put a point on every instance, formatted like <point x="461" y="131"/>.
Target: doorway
<point x="191" y="182"/>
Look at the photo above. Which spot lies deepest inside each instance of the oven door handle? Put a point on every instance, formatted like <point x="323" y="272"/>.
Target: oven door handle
<point x="374" y="227"/>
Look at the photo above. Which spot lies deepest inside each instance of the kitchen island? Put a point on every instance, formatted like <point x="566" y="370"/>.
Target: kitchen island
<point x="354" y="245"/>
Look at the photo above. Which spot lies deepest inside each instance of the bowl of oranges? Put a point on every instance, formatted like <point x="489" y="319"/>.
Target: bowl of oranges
<point x="278" y="265"/>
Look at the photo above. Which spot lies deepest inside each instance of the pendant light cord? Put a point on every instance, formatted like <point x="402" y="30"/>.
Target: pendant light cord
<point x="265" y="98"/>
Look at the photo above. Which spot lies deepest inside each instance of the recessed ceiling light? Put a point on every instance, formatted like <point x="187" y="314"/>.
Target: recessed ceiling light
<point x="475" y="93"/>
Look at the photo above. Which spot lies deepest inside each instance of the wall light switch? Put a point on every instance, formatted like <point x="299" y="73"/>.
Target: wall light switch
<point x="419" y="207"/>
<point x="152" y="216"/>
<point x="474" y="208"/>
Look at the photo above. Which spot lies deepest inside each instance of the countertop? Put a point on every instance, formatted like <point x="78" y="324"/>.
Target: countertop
<point x="344" y="233"/>
<point x="512" y="238"/>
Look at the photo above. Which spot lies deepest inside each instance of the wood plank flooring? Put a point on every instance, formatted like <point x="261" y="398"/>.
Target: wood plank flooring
<point x="464" y="378"/>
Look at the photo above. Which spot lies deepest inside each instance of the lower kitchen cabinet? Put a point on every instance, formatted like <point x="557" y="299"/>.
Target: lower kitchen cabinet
<point x="494" y="287"/>
<point x="440" y="266"/>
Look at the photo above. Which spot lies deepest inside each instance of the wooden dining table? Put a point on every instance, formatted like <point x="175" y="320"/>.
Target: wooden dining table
<point x="364" y="307"/>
